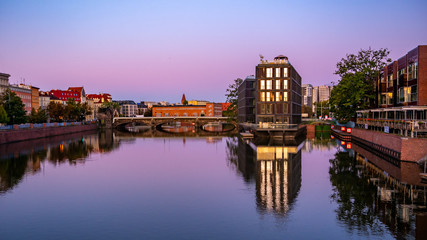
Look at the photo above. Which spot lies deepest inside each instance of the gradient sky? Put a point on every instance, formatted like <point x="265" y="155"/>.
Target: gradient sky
<point x="157" y="50"/>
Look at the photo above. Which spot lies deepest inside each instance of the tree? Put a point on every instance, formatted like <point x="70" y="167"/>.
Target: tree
<point x="56" y="111"/>
<point x="308" y="110"/>
<point x="232" y="95"/>
<point x="321" y="108"/>
<point x="39" y="116"/>
<point x="14" y="108"/>
<point x="148" y="113"/>
<point x="356" y="88"/>
<point x="3" y="115"/>
<point x="106" y="105"/>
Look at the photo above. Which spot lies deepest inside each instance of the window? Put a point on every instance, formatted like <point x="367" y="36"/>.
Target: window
<point x="262" y="84"/>
<point x="277" y="84"/>
<point x="269" y="109"/>
<point x="285" y="72"/>
<point x="278" y="97"/>
<point x="269" y="72"/>
<point x="390" y="80"/>
<point x="268" y="97"/>
<point x="285" y="84"/>
<point x="285" y="96"/>
<point x="262" y="96"/>
<point x="413" y="71"/>
<point x="277" y="72"/>
<point x="269" y="83"/>
<point x="262" y="110"/>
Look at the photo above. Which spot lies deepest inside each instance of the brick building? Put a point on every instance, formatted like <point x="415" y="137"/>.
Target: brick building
<point x="278" y="92"/>
<point x="404" y="81"/>
<point x="209" y="110"/>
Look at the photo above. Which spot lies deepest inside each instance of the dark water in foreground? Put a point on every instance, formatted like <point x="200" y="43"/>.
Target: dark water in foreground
<point x="100" y="186"/>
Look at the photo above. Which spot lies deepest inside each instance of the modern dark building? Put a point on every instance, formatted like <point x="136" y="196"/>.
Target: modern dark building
<point x="278" y="92"/>
<point x="246" y="100"/>
<point x="404" y="82"/>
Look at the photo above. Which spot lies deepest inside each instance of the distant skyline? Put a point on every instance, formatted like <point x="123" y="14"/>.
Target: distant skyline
<point x="158" y="50"/>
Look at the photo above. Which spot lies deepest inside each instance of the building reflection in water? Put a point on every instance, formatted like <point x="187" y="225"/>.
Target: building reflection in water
<point x="22" y="158"/>
<point x="278" y="179"/>
<point x="276" y="171"/>
<point x="371" y="190"/>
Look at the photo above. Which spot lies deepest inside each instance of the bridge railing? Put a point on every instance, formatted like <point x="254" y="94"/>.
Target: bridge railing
<point x="277" y="126"/>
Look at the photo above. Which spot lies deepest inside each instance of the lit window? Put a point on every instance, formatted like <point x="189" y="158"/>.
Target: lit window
<point x="262" y="96"/>
<point x="262" y="84"/>
<point x="285" y="84"/>
<point x="285" y="96"/>
<point x="269" y="84"/>
<point x="278" y="97"/>
<point x="277" y="84"/>
<point x="268" y="97"/>
<point x="277" y="72"/>
<point x="269" y="72"/>
<point x="285" y="72"/>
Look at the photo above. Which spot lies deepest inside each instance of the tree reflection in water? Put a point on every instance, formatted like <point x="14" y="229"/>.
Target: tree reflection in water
<point x="19" y="159"/>
<point x="366" y="202"/>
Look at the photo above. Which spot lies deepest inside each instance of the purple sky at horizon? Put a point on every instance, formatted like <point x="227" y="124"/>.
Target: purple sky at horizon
<point x="158" y="50"/>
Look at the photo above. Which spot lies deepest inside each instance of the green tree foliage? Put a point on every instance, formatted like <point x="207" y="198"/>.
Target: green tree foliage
<point x="56" y="111"/>
<point x="308" y="110"/>
<point x="3" y="115"/>
<point x="232" y="95"/>
<point x="39" y="116"/>
<point x="148" y="113"/>
<point x="14" y="108"/>
<point x="356" y="88"/>
<point x="321" y="108"/>
<point x="109" y="105"/>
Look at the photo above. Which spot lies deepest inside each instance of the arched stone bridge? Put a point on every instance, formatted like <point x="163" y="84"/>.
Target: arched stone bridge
<point x="158" y="121"/>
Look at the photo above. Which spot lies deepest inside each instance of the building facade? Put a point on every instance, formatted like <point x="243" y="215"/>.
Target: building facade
<point x="25" y="94"/>
<point x="209" y="110"/>
<point x="404" y="81"/>
<point x="65" y="95"/>
<point x="246" y="100"/>
<point x="278" y="92"/>
<point x="307" y="91"/>
<point x="44" y="99"/>
<point x="81" y="91"/>
<point x="4" y="82"/>
<point x="321" y="93"/>
<point x="128" y="108"/>
<point x="35" y="102"/>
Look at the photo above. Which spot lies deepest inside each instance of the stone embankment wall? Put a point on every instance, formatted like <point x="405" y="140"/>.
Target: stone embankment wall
<point x="34" y="133"/>
<point x="411" y="149"/>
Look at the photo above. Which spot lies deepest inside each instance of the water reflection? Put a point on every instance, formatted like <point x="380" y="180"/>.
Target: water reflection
<point x="374" y="191"/>
<point x="275" y="169"/>
<point x="28" y="157"/>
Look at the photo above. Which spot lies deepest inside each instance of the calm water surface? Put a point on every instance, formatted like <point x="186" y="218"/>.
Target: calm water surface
<point x="105" y="186"/>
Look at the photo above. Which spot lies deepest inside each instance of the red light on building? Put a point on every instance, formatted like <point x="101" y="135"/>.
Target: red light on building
<point x="342" y="143"/>
<point x="332" y="137"/>
<point x="343" y="129"/>
<point x="348" y="146"/>
<point x="348" y="130"/>
<point x="332" y="126"/>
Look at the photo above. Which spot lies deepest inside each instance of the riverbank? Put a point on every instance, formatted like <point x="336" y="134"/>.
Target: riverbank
<point x="18" y="135"/>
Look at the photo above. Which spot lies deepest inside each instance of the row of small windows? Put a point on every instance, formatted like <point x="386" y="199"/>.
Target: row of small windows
<point x="273" y="96"/>
<point x="277" y="71"/>
<point x="268" y="84"/>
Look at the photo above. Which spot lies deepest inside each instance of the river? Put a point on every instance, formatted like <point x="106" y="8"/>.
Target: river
<point x="105" y="185"/>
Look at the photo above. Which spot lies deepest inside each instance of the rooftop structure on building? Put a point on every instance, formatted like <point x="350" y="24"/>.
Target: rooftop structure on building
<point x="278" y="91"/>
